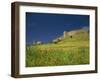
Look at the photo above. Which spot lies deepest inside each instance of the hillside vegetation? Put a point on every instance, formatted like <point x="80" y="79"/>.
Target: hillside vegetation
<point x="70" y="50"/>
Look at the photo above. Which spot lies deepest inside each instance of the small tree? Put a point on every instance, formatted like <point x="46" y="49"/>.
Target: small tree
<point x="70" y="36"/>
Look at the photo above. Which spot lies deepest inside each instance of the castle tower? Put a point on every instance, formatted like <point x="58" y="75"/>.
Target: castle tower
<point x="65" y="34"/>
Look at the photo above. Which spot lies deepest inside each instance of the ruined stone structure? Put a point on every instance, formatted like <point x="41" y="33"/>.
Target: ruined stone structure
<point x="37" y="42"/>
<point x="68" y="34"/>
<point x="65" y="34"/>
<point x="71" y="33"/>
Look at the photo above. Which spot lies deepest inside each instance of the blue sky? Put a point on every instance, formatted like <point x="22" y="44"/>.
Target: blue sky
<point x="46" y="26"/>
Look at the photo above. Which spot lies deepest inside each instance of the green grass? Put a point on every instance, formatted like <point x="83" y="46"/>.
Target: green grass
<point x="73" y="51"/>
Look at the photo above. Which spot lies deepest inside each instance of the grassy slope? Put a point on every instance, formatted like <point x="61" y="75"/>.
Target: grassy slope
<point x="69" y="51"/>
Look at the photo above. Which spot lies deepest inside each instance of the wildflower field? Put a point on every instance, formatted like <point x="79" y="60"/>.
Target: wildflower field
<point x="69" y="51"/>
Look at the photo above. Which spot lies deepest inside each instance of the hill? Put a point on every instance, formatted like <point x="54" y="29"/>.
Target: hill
<point x="74" y="35"/>
<point x="71" y="48"/>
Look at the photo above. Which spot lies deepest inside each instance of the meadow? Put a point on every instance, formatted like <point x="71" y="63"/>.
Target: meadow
<point x="69" y="51"/>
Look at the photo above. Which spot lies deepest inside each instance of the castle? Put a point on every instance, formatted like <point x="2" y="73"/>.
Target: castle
<point x="70" y="33"/>
<point x="65" y="35"/>
<point x="73" y="32"/>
